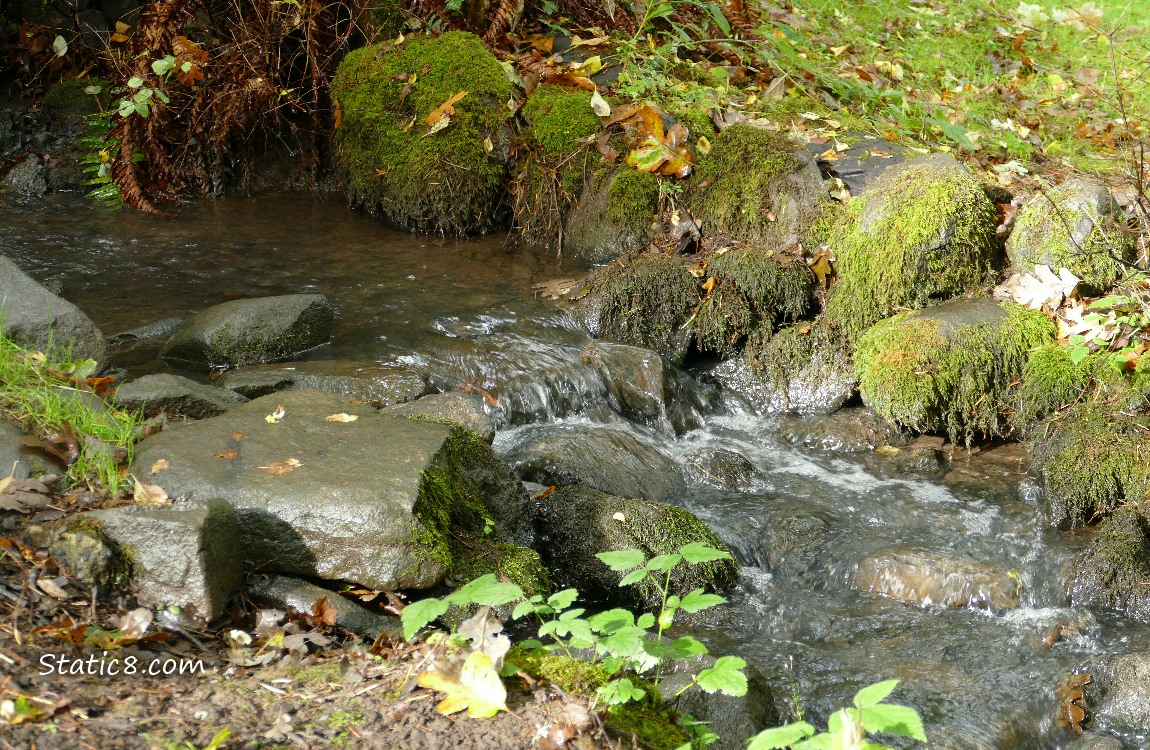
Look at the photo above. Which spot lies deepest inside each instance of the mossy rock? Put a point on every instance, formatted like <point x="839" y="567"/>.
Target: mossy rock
<point x="1091" y="462"/>
<point x="647" y="302"/>
<point x="576" y="523"/>
<point x="615" y="216"/>
<point x="1112" y="572"/>
<point x="509" y="562"/>
<point x="949" y="368"/>
<point x="446" y="182"/>
<point x="70" y="98"/>
<point x="559" y="118"/>
<point x="755" y="186"/>
<point x="755" y="289"/>
<point x="1050" y="381"/>
<point x="1076" y="225"/>
<point x="922" y="233"/>
<point x="803" y="369"/>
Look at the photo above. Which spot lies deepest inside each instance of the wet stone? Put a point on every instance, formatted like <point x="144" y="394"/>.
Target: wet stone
<point x="300" y="595"/>
<point x="936" y="578"/>
<point x="34" y="317"/>
<point x="175" y="395"/>
<point x="719" y="467"/>
<point x="463" y="409"/>
<point x="363" y="381"/>
<point x="1119" y="695"/>
<point x="851" y="430"/>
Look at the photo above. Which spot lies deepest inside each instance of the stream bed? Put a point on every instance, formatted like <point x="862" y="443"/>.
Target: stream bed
<point x="800" y="521"/>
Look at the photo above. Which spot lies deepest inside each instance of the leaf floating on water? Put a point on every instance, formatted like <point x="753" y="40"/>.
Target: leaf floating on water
<point x="341" y="417"/>
<point x="276" y="415"/>
<point x="279" y="468"/>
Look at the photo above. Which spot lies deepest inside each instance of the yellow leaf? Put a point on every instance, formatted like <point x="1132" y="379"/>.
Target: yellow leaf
<point x="276" y="415"/>
<point x="477" y="689"/>
<point x="704" y="145"/>
<point x="279" y="468"/>
<point x="839" y="50"/>
<point x="160" y="465"/>
<point x="341" y="417"/>
<point x="445" y="110"/>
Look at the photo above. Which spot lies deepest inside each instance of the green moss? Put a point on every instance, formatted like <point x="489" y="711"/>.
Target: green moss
<point x="890" y="254"/>
<point x="633" y="200"/>
<point x="695" y="119"/>
<point x="1042" y="235"/>
<point x="1050" y="381"/>
<point x="446" y="182"/>
<point x="927" y="373"/>
<point x="558" y="118"/>
<point x="778" y="357"/>
<point x="341" y="720"/>
<point x="777" y="287"/>
<point x="1092" y="461"/>
<point x="647" y="302"/>
<point x="571" y="674"/>
<point x="509" y="562"/>
<point x="330" y="672"/>
<point x="70" y="97"/>
<point x="724" y="319"/>
<point x="737" y="185"/>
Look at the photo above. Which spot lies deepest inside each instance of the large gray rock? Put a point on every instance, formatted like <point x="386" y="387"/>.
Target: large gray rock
<point x="735" y="720"/>
<point x="377" y="500"/>
<point x="1076" y="225"/>
<point x="1119" y="695"/>
<point x="35" y="318"/>
<point x="176" y="395"/>
<point x="364" y="381"/>
<point x="576" y="523"/>
<point x="300" y="595"/>
<point x="28" y="177"/>
<point x="252" y="331"/>
<point x="607" y="458"/>
<point x="464" y="409"/>
<point x="936" y="578"/>
<point x="185" y="555"/>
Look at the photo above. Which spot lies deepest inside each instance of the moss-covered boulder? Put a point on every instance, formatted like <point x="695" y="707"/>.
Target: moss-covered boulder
<point x="647" y="302"/>
<point x="1091" y="462"/>
<point x="755" y="186"/>
<point x="450" y="181"/>
<point x="922" y="233"/>
<point x="576" y="523"/>
<point x="1112" y="572"/>
<point x="1075" y="225"/>
<point x="614" y="216"/>
<point x="509" y="562"/>
<point x="754" y="290"/>
<point x="1051" y="380"/>
<point x="949" y="368"/>
<point x="558" y="118"/>
<point x="802" y="369"/>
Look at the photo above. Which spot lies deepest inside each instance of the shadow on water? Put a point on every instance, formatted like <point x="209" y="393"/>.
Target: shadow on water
<point x="464" y="312"/>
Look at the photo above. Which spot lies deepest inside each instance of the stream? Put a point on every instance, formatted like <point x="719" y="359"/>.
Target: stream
<point x="464" y="311"/>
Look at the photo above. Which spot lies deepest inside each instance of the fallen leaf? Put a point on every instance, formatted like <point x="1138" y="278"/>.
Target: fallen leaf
<point x="444" y="111"/>
<point x="51" y="588"/>
<point x="1042" y="287"/>
<point x="276" y="415"/>
<point x="324" y="612"/>
<point x="148" y="494"/>
<point x="237" y="436"/>
<point x="341" y="417"/>
<point x="228" y="454"/>
<point x="439" y="125"/>
<point x="477" y="689"/>
<point x="600" y="106"/>
<point x="710" y="284"/>
<point x="821" y="267"/>
<point x="279" y="468"/>
<point x="161" y="465"/>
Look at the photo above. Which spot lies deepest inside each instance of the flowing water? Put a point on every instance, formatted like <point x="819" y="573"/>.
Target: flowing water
<point x="465" y="312"/>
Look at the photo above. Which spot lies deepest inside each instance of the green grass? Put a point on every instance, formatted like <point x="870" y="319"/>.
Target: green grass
<point x="38" y="396"/>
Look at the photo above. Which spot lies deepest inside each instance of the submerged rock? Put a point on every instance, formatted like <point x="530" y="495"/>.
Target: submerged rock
<point x="801" y="370"/>
<point x="185" y="556"/>
<point x="719" y="467"/>
<point x="936" y="578"/>
<point x="755" y="186"/>
<point x="610" y="459"/>
<point x="922" y="232"/>
<point x="949" y="368"/>
<point x="1119" y="695"/>
<point x="35" y="318"/>
<point x="364" y="381"/>
<point x="850" y="430"/>
<point x="379" y="500"/>
<point x="449" y="182"/>
<point x="1077" y="225"/>
<point x="175" y="395"/>
<point x="252" y="331"/>
<point x="463" y="409"/>
<point x="1112" y="572"/>
<point x="576" y="523"/>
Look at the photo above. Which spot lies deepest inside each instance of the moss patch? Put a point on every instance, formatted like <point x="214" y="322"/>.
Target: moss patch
<point x="1114" y="569"/>
<point x="446" y="182"/>
<point x="933" y="371"/>
<point x="740" y="185"/>
<point x="1092" y="462"/>
<point x="647" y="302"/>
<point x="509" y="562"/>
<point x="633" y="200"/>
<point x="924" y="232"/>
<point x="559" y="117"/>
<point x="778" y="357"/>
<point x="1050" y="381"/>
